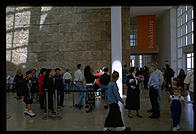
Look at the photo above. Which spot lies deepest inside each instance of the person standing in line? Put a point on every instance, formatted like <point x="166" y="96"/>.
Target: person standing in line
<point x="161" y="79"/>
<point x="35" y="84"/>
<point x="49" y="85"/>
<point x="169" y="73"/>
<point x="113" y="120"/>
<point x="90" y="96"/>
<point x="153" y="85"/>
<point x="181" y="77"/>
<point x="79" y="79"/>
<point x="18" y="83"/>
<point x="67" y="80"/>
<point x="58" y="84"/>
<point x="189" y="82"/>
<point x="27" y="94"/>
<point x="133" y="93"/>
<point x="176" y="108"/>
<point x="104" y="80"/>
<point x="41" y="89"/>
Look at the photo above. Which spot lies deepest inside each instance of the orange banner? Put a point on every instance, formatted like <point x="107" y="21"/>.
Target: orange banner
<point x="147" y="33"/>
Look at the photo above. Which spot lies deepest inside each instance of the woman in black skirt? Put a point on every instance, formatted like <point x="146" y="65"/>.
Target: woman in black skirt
<point x="113" y="119"/>
<point x="133" y="93"/>
<point x="90" y="96"/>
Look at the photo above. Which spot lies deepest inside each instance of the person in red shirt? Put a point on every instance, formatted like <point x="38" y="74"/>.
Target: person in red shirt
<point x="41" y="90"/>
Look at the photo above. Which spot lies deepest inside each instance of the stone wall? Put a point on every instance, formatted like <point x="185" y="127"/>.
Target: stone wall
<point x="53" y="37"/>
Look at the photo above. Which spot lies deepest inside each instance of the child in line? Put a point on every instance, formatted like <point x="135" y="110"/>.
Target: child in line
<point x="27" y="94"/>
<point x="175" y="104"/>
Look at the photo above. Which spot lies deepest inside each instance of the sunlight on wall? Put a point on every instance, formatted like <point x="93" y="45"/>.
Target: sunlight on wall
<point x="44" y="13"/>
<point x="17" y="34"/>
<point x="117" y="66"/>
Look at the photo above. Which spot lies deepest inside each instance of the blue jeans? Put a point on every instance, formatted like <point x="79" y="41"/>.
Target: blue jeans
<point x="61" y="94"/>
<point x="67" y="84"/>
<point x="104" y="87"/>
<point x="159" y="98"/>
<point x="80" y="87"/>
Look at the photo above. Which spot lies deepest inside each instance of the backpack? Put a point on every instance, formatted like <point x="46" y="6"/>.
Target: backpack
<point x="104" y="79"/>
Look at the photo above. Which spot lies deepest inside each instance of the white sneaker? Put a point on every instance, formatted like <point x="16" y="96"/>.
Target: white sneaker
<point x="174" y="129"/>
<point x="178" y="127"/>
<point x="31" y="113"/>
<point x="26" y="111"/>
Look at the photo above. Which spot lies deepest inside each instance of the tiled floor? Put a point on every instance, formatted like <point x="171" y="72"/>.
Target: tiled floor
<point x="74" y="119"/>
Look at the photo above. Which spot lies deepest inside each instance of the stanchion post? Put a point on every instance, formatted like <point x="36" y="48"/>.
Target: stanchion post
<point x="56" y="100"/>
<point x="46" y="102"/>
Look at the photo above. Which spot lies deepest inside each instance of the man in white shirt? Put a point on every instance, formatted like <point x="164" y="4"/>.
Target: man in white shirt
<point x="189" y="81"/>
<point x="79" y="80"/>
<point x="67" y="80"/>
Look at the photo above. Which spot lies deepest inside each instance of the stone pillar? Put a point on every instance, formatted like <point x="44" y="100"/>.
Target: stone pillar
<point x="173" y="49"/>
<point x="116" y="43"/>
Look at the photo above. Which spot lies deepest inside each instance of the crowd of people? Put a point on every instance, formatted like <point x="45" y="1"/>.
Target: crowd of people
<point x="33" y="87"/>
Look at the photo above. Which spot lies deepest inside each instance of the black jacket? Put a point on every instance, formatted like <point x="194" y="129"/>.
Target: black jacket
<point x="104" y="79"/>
<point x="27" y="89"/>
<point x="18" y="80"/>
<point x="48" y="84"/>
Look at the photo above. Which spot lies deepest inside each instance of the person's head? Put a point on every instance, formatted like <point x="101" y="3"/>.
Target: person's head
<point x="133" y="70"/>
<point x="48" y="73"/>
<point x="152" y="68"/>
<point x="115" y="76"/>
<point x="106" y="70"/>
<point x="167" y="66"/>
<point x="97" y="70"/>
<point x="175" y="82"/>
<point x="67" y="70"/>
<point x="79" y="66"/>
<point x="58" y="71"/>
<point x="87" y="70"/>
<point x="125" y="66"/>
<point x="176" y="91"/>
<point x="29" y="74"/>
<point x="182" y="72"/>
<point x="43" y="71"/>
<point x="163" y="69"/>
<point x="19" y="71"/>
<point x="33" y="71"/>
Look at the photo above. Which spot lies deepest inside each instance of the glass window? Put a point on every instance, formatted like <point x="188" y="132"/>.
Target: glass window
<point x="140" y="61"/>
<point x="188" y="62"/>
<point x="180" y="52"/>
<point x="192" y="38"/>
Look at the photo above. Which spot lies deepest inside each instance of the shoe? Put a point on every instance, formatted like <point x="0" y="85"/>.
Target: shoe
<point x="130" y="116"/>
<point x="88" y="110"/>
<point x="174" y="129"/>
<point x="105" y="106"/>
<point x="80" y="106"/>
<point x="178" y="127"/>
<point x="127" y="129"/>
<point x="138" y="115"/>
<point x="31" y="114"/>
<point x="53" y="112"/>
<point x="150" y="110"/>
<point x="26" y="111"/>
<point x="153" y="117"/>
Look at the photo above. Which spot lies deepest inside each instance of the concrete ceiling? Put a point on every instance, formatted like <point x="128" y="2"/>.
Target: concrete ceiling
<point x="148" y="10"/>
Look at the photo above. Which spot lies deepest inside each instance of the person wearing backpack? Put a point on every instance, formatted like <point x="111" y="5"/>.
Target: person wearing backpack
<point x="104" y="80"/>
<point x="169" y="73"/>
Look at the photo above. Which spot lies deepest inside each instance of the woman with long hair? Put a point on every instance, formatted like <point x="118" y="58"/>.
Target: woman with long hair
<point x="90" y="96"/>
<point x="113" y="119"/>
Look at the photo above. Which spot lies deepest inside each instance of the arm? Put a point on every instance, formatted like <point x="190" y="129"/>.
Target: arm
<point x="185" y="101"/>
<point x="116" y="93"/>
